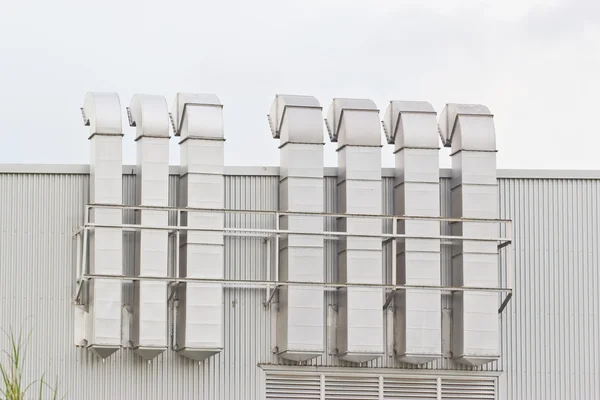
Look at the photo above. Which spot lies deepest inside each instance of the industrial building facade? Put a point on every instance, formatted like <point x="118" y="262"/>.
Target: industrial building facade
<point x="547" y="327"/>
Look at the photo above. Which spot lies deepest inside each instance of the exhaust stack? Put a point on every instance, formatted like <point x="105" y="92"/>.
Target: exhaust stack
<point x="354" y="125"/>
<point x="102" y="113"/>
<point x="150" y="115"/>
<point x="412" y="127"/>
<point x="198" y="121"/>
<point x="297" y="122"/>
<point x="475" y="330"/>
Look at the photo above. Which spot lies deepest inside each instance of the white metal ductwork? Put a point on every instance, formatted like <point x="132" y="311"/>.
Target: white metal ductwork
<point x="102" y="113"/>
<point x="354" y="125"/>
<point x="297" y="122"/>
<point x="150" y="115"/>
<point x="412" y="127"/>
<point x="475" y="326"/>
<point x="198" y="121"/>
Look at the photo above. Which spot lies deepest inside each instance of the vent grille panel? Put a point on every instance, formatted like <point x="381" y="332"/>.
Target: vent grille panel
<point x="293" y="387"/>
<point x="351" y="387"/>
<point x="468" y="389"/>
<point x="409" y="388"/>
<point x="371" y="386"/>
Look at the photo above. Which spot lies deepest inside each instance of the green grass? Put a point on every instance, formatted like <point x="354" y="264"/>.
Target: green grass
<point x="11" y="373"/>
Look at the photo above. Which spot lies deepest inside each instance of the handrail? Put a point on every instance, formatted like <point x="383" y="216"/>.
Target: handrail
<point x="84" y="275"/>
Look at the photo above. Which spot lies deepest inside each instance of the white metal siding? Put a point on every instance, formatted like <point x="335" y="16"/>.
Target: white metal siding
<point x="549" y="332"/>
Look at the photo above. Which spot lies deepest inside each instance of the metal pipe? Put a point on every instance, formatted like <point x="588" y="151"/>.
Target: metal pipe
<point x="306" y="213"/>
<point x="288" y="232"/>
<point x="241" y="282"/>
<point x="84" y="267"/>
<point x="268" y="250"/>
<point x="394" y="250"/>
<point x="177" y="242"/>
<point x="277" y="226"/>
<point x="78" y="271"/>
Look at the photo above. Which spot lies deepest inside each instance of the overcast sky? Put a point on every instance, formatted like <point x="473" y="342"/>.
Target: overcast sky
<point x="534" y="63"/>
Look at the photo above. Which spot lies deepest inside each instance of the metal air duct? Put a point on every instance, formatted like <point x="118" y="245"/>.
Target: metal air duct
<point x="475" y="328"/>
<point x="198" y="121"/>
<point x="150" y="115"/>
<point x="412" y="127"/>
<point x="297" y="122"/>
<point x="102" y="113"/>
<point x="354" y="125"/>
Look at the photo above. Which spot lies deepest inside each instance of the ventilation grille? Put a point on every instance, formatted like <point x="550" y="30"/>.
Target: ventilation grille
<point x="352" y="387"/>
<point x="281" y="386"/>
<point x="468" y="389"/>
<point x="338" y="386"/>
<point x="409" y="388"/>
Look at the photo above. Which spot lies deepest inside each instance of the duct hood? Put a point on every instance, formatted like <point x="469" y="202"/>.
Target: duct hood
<point x="198" y="121"/>
<point x="150" y="115"/>
<point x="412" y="127"/>
<point x="475" y="326"/>
<point x="297" y="122"/>
<point x="354" y="125"/>
<point x="102" y="113"/>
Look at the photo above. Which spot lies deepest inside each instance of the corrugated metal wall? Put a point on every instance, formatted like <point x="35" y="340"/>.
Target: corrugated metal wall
<point x="550" y="329"/>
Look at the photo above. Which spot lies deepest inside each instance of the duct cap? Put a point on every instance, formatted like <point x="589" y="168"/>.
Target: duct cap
<point x="150" y="115"/>
<point x="198" y="116"/>
<point x="467" y="127"/>
<point x="296" y="119"/>
<point x="422" y="131"/>
<point x="354" y="122"/>
<point x="101" y="111"/>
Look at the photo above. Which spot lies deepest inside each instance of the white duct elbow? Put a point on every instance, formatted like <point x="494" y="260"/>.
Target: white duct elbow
<point x="102" y="113"/>
<point x="150" y="116"/>
<point x="467" y="127"/>
<point x="198" y="116"/>
<point x="354" y="122"/>
<point x="296" y="119"/>
<point x="407" y="124"/>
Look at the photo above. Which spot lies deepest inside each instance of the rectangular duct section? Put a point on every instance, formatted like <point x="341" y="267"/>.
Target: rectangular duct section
<point x="297" y="122"/>
<point x="354" y="125"/>
<point x="412" y="127"/>
<point x="150" y="115"/>
<point x="475" y="326"/>
<point x="102" y="113"/>
<point x="198" y="121"/>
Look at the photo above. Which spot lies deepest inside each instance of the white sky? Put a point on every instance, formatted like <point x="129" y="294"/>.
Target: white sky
<point x="534" y="63"/>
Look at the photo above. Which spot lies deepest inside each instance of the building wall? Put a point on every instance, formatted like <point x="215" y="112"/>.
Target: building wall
<point x="550" y="329"/>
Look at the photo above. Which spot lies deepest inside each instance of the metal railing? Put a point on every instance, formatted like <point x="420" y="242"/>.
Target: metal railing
<point x="271" y="286"/>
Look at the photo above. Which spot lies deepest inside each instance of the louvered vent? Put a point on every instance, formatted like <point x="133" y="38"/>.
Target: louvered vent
<point x="281" y="386"/>
<point x="410" y="388"/>
<point x="468" y="389"/>
<point x="352" y="387"/>
<point x="390" y="386"/>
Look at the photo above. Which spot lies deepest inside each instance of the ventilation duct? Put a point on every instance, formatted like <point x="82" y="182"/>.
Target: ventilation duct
<point x="412" y="127"/>
<point x="470" y="129"/>
<point x="354" y="125"/>
<point x="198" y="121"/>
<point x="102" y="113"/>
<point x="297" y="122"/>
<point x="150" y="115"/>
